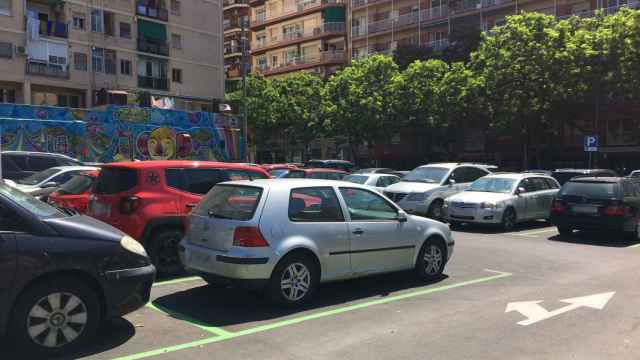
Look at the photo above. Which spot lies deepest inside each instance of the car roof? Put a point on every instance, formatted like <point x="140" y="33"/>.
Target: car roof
<point x="324" y="170"/>
<point x="517" y="176"/>
<point x="38" y="153"/>
<point x="73" y="168"/>
<point x="294" y="183"/>
<point x="331" y="161"/>
<point x="454" y="165"/>
<point x="583" y="171"/>
<point x="153" y="164"/>
<point x="603" y="179"/>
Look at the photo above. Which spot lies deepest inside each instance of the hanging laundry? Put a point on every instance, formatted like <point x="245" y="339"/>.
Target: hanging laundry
<point x="33" y="26"/>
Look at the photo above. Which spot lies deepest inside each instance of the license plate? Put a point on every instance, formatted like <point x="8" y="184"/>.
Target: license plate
<point x="585" y="209"/>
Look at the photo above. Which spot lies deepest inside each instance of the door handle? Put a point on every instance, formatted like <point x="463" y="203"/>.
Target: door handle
<point x="358" y="231"/>
<point x="191" y="206"/>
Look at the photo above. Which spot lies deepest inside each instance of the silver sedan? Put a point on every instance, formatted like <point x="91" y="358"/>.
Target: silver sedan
<point x="287" y="236"/>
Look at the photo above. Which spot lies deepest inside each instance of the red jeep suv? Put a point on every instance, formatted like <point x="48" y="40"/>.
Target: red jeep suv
<point x="149" y="200"/>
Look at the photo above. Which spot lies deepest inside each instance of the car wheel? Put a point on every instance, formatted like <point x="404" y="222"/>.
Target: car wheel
<point x="509" y="219"/>
<point x="55" y="316"/>
<point x="293" y="281"/>
<point x="565" y="231"/>
<point x="431" y="259"/>
<point x="163" y="251"/>
<point x="435" y="210"/>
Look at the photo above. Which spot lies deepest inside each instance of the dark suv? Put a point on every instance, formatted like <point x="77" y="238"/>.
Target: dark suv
<point x="564" y="175"/>
<point x="149" y="200"/>
<point x="18" y="165"/>
<point x="597" y="203"/>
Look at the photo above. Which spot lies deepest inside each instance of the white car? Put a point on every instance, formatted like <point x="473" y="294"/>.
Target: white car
<point x="422" y="185"/>
<point x="377" y="182"/>
<point x="53" y="177"/>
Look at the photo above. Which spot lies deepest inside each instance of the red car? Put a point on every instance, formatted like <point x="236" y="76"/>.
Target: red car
<point x="150" y="200"/>
<point x="278" y="169"/>
<point x="321" y="173"/>
<point x="74" y="194"/>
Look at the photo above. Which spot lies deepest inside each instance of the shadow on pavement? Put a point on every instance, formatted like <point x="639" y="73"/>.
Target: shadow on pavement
<point x="610" y="239"/>
<point x="229" y="306"/>
<point x="496" y="229"/>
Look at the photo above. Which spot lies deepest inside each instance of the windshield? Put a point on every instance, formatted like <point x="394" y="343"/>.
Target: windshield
<point x="593" y="190"/>
<point x="33" y="205"/>
<point x="230" y="202"/>
<point x="278" y="172"/>
<point x="39" y="177"/>
<point x="493" y="185"/>
<point x="77" y="185"/>
<point x="358" y="179"/>
<point x="431" y="175"/>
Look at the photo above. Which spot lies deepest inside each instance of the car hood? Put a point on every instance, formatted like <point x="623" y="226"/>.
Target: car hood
<point x="409" y="187"/>
<point x="84" y="227"/>
<point x="476" y="197"/>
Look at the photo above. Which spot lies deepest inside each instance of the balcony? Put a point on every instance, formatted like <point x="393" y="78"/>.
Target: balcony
<point x="229" y="4"/>
<point x="228" y="25"/>
<point x="51" y="28"/>
<point x="46" y="69"/>
<point x="291" y="38"/>
<point x="361" y="3"/>
<point x="153" y="83"/>
<point x="304" y="62"/>
<point x="434" y="13"/>
<point x="470" y="5"/>
<point x="438" y="44"/>
<point x="157" y="13"/>
<point x="402" y="22"/>
<point x="633" y="4"/>
<point x="230" y="51"/>
<point x="303" y="8"/>
<point x="153" y="46"/>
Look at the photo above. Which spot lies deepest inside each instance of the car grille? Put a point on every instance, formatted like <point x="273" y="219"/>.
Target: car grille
<point x="395" y="196"/>
<point x="462" y="205"/>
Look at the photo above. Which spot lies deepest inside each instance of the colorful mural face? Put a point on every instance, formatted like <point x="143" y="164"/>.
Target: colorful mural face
<point x="120" y="134"/>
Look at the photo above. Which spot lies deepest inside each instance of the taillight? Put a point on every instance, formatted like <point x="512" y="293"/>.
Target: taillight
<point x="129" y="204"/>
<point x="616" y="210"/>
<point x="248" y="236"/>
<point x="558" y="206"/>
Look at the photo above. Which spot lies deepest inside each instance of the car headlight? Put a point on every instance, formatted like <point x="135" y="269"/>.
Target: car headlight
<point x="130" y="244"/>
<point x="417" y="196"/>
<point x="489" y="206"/>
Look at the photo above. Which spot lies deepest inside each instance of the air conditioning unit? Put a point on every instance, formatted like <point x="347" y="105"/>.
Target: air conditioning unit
<point x="21" y="50"/>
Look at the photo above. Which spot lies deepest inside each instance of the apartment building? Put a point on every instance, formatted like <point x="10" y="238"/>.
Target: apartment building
<point x="298" y="35"/>
<point x="236" y="13"/>
<point x="82" y="53"/>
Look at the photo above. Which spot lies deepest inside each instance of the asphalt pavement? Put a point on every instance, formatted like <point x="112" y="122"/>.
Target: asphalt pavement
<point x="501" y="298"/>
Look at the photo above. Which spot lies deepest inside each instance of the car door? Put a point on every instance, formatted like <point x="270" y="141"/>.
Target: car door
<point x="526" y="200"/>
<point x="379" y="242"/>
<point x="8" y="255"/>
<point x="547" y="193"/>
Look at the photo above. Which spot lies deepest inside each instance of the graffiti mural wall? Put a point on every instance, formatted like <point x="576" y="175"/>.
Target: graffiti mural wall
<point x="121" y="133"/>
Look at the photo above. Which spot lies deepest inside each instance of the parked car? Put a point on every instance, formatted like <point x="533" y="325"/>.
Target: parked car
<point x="326" y="174"/>
<point x="543" y="172"/>
<point x="424" y="189"/>
<point x="564" y="175"/>
<point x="149" y="200"/>
<point x="74" y="194"/>
<point x="21" y="164"/>
<point x="51" y="178"/>
<point x="635" y="174"/>
<point x="597" y="203"/>
<point x="276" y="170"/>
<point x="374" y="171"/>
<point x="331" y="164"/>
<point x="265" y="234"/>
<point x="377" y="182"/>
<point x="62" y="275"/>
<point x="503" y="199"/>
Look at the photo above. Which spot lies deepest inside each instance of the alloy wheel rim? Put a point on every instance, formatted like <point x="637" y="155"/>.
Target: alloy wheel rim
<point x="57" y="320"/>
<point x="169" y="254"/>
<point x="432" y="260"/>
<point x="509" y="220"/>
<point x="295" y="282"/>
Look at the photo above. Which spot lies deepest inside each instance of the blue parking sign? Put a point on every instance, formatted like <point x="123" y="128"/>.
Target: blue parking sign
<point x="591" y="143"/>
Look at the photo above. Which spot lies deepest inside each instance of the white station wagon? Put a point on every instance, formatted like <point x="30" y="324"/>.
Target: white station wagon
<point x="286" y="236"/>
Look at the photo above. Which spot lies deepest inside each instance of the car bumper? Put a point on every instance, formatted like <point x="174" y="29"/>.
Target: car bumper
<point x="599" y="223"/>
<point x="476" y="216"/>
<point x="234" y="265"/>
<point x="127" y="290"/>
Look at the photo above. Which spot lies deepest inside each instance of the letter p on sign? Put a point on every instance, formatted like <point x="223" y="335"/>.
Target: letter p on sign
<point x="591" y="143"/>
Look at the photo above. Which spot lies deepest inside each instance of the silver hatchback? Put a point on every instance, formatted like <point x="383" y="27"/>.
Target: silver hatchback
<point x="287" y="236"/>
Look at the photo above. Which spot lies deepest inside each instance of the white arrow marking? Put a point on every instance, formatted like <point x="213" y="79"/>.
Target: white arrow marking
<point x="534" y="312"/>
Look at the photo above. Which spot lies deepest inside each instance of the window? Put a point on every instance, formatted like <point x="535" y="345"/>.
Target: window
<point x="592" y="190"/>
<point x="7" y="96"/>
<point x="125" y="67"/>
<point x="125" y="30"/>
<point x="176" y="75"/>
<point x="233" y="174"/>
<point x="97" y="21"/>
<point x="80" y="61"/>
<point x="40" y="163"/>
<point x="552" y="184"/>
<point x="230" y="202"/>
<point x="5" y="7"/>
<point x="365" y="205"/>
<point x="540" y="184"/>
<point x="109" y="61"/>
<point x="295" y="175"/>
<point x="115" y="179"/>
<point x="317" y="204"/>
<point x="200" y="181"/>
<point x="109" y="23"/>
<point x="78" y="21"/>
<point x="6" y="50"/>
<point x="97" y="59"/>
<point x="64" y="177"/>
<point x="527" y="185"/>
<point x="176" y="41"/>
<point x="384" y="181"/>
<point x="175" y="7"/>
<point x="467" y="174"/>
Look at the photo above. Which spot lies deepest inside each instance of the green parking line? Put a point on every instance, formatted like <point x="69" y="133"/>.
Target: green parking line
<point x="212" y="329"/>
<point x="318" y="315"/>
<point x="176" y="281"/>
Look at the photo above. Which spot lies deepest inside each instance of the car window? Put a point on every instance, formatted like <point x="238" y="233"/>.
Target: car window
<point x="8" y="164"/>
<point x="200" y="181"/>
<point x="365" y="205"/>
<point x="64" y="177"/>
<point x="39" y="163"/>
<point x="429" y="175"/>
<point x="392" y="179"/>
<point x="528" y="185"/>
<point x="77" y="185"/>
<point x="18" y="160"/>
<point x="28" y="202"/>
<point x="590" y="189"/>
<point x="317" y="175"/>
<point x="551" y="184"/>
<point x="540" y="184"/>
<point x="295" y="175"/>
<point x="316" y="204"/>
<point x="474" y="174"/>
<point x="10" y="221"/>
<point x="628" y="189"/>
<point x="358" y="179"/>
<point x="113" y="180"/>
<point x="234" y="202"/>
<point x="240" y="174"/>
<point x="334" y="176"/>
<point x="383" y="181"/>
<point x="38" y="177"/>
<point x="466" y="174"/>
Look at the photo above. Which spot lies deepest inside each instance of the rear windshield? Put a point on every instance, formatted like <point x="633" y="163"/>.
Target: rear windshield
<point x="230" y="202"/>
<point x="358" y="179"/>
<point x="563" y="177"/>
<point x="279" y="172"/>
<point x="77" y="185"/>
<point x="597" y="190"/>
<point x="113" y="180"/>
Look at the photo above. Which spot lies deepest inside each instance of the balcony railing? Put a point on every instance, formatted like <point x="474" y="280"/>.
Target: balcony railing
<point x="152" y="12"/>
<point x="325" y="29"/>
<point x="153" y="83"/>
<point x="434" y="13"/>
<point x="358" y="3"/>
<point x="153" y="46"/>
<point x="52" y="28"/>
<point x="301" y="7"/>
<point x="294" y="63"/>
<point x="633" y="4"/>
<point x="47" y="69"/>
<point x="233" y="49"/>
<point x="438" y="44"/>
<point x="231" y="25"/>
<point x="227" y="3"/>
<point x="401" y="21"/>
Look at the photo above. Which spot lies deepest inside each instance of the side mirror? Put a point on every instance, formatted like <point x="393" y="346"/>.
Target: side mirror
<point x="521" y="190"/>
<point x="50" y="184"/>
<point x="452" y="182"/>
<point x="402" y="217"/>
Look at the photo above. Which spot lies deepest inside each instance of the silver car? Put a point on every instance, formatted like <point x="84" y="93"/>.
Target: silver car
<point x="377" y="182"/>
<point x="503" y="199"/>
<point x="287" y="236"/>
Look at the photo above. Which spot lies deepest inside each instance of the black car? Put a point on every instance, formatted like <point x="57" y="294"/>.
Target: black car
<point x="61" y="274"/>
<point x="18" y="165"/>
<point x="597" y="203"/>
<point x="331" y="164"/>
<point x="564" y="175"/>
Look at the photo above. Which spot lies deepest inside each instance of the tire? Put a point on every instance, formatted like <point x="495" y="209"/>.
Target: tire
<point x="163" y="251"/>
<point x="74" y="323"/>
<point x="431" y="259"/>
<point x="509" y="219"/>
<point x="565" y="231"/>
<point x="435" y="210"/>
<point x="306" y="275"/>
